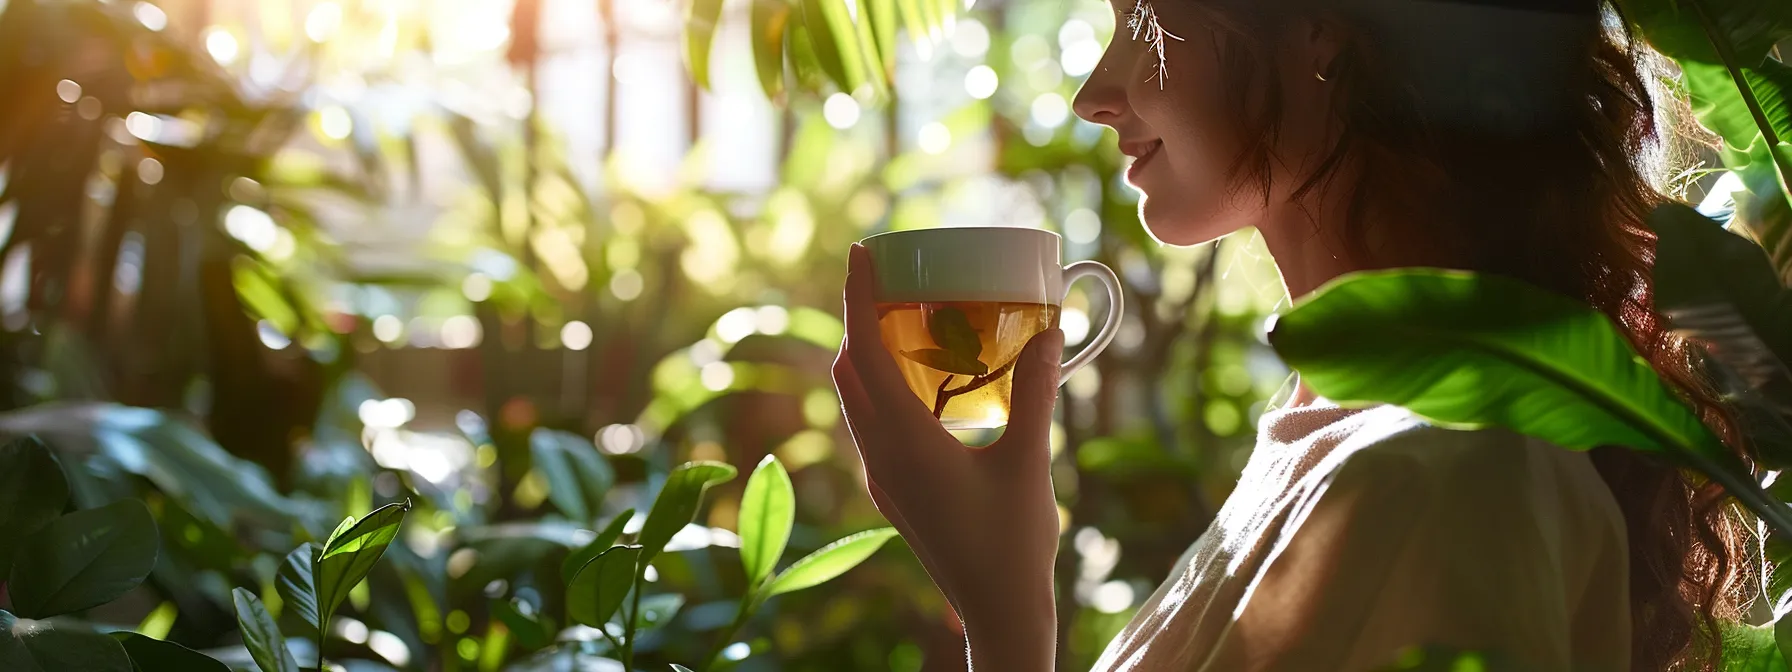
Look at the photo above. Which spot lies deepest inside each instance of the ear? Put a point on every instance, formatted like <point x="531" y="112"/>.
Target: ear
<point x="1315" y="42"/>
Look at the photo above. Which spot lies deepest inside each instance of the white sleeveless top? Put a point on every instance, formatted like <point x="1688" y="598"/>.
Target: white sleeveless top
<point x="1355" y="534"/>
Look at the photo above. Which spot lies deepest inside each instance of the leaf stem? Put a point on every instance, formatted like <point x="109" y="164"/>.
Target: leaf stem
<point x="944" y="395"/>
<point x="628" y="621"/>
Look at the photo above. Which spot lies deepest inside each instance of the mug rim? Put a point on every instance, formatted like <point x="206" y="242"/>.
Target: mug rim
<point x="1026" y="230"/>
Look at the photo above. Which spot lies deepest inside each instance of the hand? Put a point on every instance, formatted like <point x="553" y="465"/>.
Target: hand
<point x="983" y="521"/>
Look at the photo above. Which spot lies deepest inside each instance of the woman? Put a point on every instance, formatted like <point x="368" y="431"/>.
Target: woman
<point x="1503" y="137"/>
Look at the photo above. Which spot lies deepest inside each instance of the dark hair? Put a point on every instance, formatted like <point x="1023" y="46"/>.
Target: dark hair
<point x="1527" y="171"/>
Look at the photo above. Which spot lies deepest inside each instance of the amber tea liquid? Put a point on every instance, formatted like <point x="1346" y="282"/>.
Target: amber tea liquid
<point x="958" y="356"/>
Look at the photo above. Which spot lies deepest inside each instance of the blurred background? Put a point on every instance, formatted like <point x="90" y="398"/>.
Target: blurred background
<point x="271" y="262"/>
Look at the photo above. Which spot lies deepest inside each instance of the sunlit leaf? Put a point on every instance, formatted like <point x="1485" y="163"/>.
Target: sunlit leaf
<point x="297" y="586"/>
<point x="261" y="635"/>
<point x="602" y="542"/>
<point x="829" y="561"/>
<point x="700" y="21"/>
<point x="154" y="655"/>
<point x="770" y="19"/>
<point x="835" y="40"/>
<point x="1675" y="27"/>
<point x="677" y="503"/>
<point x="351" y="552"/>
<point x="33" y="492"/>
<point x="84" y="559"/>
<point x="1473" y="351"/>
<point x="39" y="646"/>
<point x="600" y="586"/>
<point x="1749" y="648"/>
<point x="767" y="512"/>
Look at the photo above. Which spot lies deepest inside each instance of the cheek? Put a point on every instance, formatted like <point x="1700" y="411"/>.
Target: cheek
<point x="1191" y="114"/>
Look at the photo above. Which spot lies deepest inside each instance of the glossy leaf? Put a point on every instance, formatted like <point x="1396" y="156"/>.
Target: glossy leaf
<point x="33" y="492"/>
<point x="298" y="586"/>
<point x="260" y="635"/>
<point x="1675" y="27"/>
<point x="1749" y="648"/>
<point x="84" y="559"/>
<point x="829" y="561"/>
<point x="700" y="19"/>
<point x="947" y="361"/>
<point x="1471" y="351"/>
<point x="351" y="552"/>
<point x="1718" y="103"/>
<point x="599" y="587"/>
<point x="767" y="512"/>
<point x="155" y="655"/>
<point x="680" y="668"/>
<point x="677" y="503"/>
<point x="882" y="21"/>
<point x="1699" y="266"/>
<point x="524" y="623"/>
<point x="770" y="23"/>
<point x="39" y="646"/>
<point x="602" y="542"/>
<point x="658" y="610"/>
<point x="577" y="475"/>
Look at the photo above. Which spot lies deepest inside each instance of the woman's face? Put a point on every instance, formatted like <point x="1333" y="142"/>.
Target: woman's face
<point x="1159" y="86"/>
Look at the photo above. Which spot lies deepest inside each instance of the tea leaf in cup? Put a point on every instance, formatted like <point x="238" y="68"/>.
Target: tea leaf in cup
<point x="952" y="330"/>
<point x="948" y="361"/>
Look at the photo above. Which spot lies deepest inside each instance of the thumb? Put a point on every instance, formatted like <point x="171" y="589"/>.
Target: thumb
<point x="1035" y="389"/>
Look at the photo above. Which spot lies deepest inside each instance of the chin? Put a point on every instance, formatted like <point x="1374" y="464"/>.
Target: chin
<point x="1178" y="224"/>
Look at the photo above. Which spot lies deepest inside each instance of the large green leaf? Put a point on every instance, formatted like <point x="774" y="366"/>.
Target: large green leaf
<point x="829" y="561"/>
<point x="1699" y="265"/>
<point x="33" y="492"/>
<point x="677" y="503"/>
<point x="1750" y="648"/>
<point x="597" y="590"/>
<point x="1472" y="351"/>
<point x="84" y="559"/>
<point x="577" y="475"/>
<point x="154" y="655"/>
<point x="38" y="646"/>
<point x="767" y="512"/>
<point x="298" y="586"/>
<point x="602" y="542"/>
<point x="700" y="21"/>
<point x="351" y="552"/>
<point x="1675" y="27"/>
<point x="260" y="635"/>
<point x="771" y="20"/>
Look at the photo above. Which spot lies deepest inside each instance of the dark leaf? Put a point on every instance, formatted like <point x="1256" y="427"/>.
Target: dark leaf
<point x="951" y="330"/>
<point x="154" y="655"/>
<point x="597" y="590"/>
<point x="658" y="610"/>
<point x="577" y="475"/>
<point x="84" y="559"/>
<point x="39" y="646"/>
<point x="770" y="20"/>
<point x="260" y="635"/>
<point x="298" y="587"/>
<point x="33" y="492"/>
<point x="947" y="361"/>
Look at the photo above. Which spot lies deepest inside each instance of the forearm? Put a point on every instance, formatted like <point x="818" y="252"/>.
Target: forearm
<point x="1017" y="634"/>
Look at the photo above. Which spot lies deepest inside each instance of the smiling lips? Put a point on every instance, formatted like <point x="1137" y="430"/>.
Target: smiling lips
<point x="1141" y="152"/>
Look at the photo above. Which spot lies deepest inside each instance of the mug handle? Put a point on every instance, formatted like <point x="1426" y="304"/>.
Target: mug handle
<point x="1116" y="301"/>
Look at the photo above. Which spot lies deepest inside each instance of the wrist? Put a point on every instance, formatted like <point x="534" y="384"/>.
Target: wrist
<point x="1016" y="633"/>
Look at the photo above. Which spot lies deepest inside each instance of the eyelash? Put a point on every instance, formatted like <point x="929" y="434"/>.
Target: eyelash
<point x="1142" y="21"/>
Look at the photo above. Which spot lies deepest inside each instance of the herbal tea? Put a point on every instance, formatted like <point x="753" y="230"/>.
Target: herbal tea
<point x="958" y="356"/>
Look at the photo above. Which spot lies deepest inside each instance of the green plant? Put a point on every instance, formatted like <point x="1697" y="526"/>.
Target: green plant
<point x="604" y="583"/>
<point x="55" y="564"/>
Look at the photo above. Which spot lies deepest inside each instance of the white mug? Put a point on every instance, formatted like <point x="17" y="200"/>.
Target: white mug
<point x="956" y="306"/>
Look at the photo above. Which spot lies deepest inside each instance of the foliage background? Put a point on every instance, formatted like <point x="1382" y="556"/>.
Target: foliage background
<point x="273" y="262"/>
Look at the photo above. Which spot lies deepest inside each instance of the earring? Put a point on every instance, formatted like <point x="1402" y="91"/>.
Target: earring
<point x="1319" y="76"/>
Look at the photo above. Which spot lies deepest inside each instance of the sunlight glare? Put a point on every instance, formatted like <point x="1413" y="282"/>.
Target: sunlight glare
<point x="254" y="227"/>
<point x="981" y="82"/>
<point x="151" y="16"/>
<point x="323" y="21"/>
<point x="476" y="287"/>
<point x="717" y="376"/>
<point x="68" y="91"/>
<point x="575" y="335"/>
<point x="335" y="122"/>
<point x="1050" y="110"/>
<point x="1082" y="226"/>
<point x="735" y="325"/>
<point x="841" y="111"/>
<point x="221" y="45"/>
<point x="970" y="39"/>
<point x="935" y="138"/>
<point x="1075" y="324"/>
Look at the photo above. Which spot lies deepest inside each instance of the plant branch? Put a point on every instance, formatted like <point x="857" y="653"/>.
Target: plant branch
<point x="945" y="395"/>
<point x="748" y="604"/>
<point x="628" y="621"/>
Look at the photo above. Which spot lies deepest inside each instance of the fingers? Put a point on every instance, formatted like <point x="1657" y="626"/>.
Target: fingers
<point x="864" y="344"/>
<point x="1035" y="390"/>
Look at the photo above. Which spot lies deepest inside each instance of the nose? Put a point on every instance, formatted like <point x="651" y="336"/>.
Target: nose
<point x="1102" y="98"/>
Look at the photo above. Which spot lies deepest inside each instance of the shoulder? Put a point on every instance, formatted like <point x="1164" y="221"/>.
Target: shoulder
<point x="1417" y="469"/>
